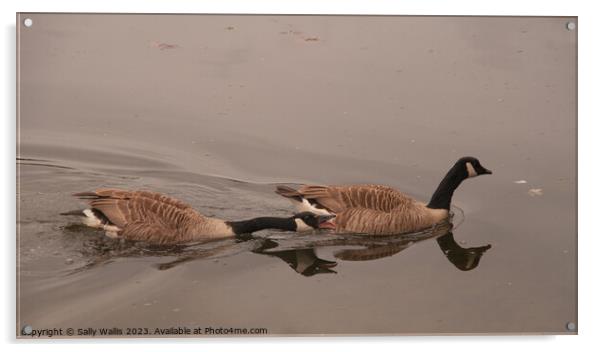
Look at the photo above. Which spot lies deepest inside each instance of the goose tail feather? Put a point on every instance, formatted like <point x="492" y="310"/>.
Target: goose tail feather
<point x="289" y="192"/>
<point x="74" y="213"/>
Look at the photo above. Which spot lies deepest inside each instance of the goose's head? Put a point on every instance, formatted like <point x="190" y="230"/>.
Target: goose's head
<point x="471" y="167"/>
<point x="307" y="221"/>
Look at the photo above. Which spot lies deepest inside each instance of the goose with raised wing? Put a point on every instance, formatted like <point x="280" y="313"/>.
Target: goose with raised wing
<point x="159" y="219"/>
<point x="382" y="210"/>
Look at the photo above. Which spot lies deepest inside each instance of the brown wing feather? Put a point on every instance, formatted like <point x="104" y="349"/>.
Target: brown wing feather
<point x="328" y="197"/>
<point x="340" y="198"/>
<point x="150" y="231"/>
<point x="113" y="193"/>
<point x="149" y="216"/>
<point x="115" y="210"/>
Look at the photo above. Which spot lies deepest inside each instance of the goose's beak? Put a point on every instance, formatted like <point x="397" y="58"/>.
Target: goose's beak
<point x="487" y="171"/>
<point x="326" y="222"/>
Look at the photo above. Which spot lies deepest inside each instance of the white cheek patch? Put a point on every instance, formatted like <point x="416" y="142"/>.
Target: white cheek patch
<point x="302" y="226"/>
<point x="471" y="171"/>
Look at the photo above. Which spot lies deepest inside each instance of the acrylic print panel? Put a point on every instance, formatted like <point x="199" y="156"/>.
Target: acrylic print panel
<point x="218" y="111"/>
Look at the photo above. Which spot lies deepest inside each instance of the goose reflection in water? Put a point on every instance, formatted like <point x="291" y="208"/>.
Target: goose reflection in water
<point x="464" y="259"/>
<point x="299" y="252"/>
<point x="305" y="261"/>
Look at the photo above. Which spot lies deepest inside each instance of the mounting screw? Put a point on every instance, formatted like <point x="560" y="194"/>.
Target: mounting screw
<point x="570" y="326"/>
<point x="28" y="22"/>
<point x="27" y="330"/>
<point x="571" y="26"/>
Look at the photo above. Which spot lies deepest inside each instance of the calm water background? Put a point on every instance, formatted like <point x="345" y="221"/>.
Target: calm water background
<point x="215" y="110"/>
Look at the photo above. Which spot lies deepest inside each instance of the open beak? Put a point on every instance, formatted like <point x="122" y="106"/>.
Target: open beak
<point x="326" y="222"/>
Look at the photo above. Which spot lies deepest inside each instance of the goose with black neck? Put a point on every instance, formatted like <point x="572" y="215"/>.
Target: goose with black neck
<point x="159" y="219"/>
<point x="382" y="210"/>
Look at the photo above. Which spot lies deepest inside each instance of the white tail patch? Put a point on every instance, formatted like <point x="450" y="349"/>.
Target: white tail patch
<point x="112" y="234"/>
<point x="304" y="205"/>
<point x="91" y="219"/>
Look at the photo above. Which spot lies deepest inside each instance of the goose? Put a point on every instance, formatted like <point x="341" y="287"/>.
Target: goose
<point x="159" y="219"/>
<point x="382" y="210"/>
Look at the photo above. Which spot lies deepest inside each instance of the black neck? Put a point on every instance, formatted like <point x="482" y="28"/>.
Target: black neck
<point x="258" y="224"/>
<point x="441" y="199"/>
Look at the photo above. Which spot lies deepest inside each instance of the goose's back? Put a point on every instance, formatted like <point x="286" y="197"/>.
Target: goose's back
<point x="340" y="198"/>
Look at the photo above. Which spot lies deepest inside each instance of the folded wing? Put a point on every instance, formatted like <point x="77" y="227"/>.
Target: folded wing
<point x="142" y="215"/>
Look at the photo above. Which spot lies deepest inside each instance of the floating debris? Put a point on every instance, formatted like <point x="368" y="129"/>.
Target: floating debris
<point x="520" y="181"/>
<point x="535" y="192"/>
<point x="312" y="39"/>
<point x="163" y="46"/>
<point x="230" y="28"/>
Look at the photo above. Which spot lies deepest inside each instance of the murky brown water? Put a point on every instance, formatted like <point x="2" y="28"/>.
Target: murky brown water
<point x="216" y="110"/>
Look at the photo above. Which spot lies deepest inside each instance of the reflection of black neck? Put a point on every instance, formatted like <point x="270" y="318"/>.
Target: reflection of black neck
<point x="464" y="259"/>
<point x="441" y="199"/>
<point x="258" y="224"/>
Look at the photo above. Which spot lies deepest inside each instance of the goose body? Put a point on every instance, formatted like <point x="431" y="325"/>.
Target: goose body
<point x="157" y="218"/>
<point x="382" y="210"/>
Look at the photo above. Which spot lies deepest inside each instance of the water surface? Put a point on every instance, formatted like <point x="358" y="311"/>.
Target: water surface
<point x="217" y="110"/>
